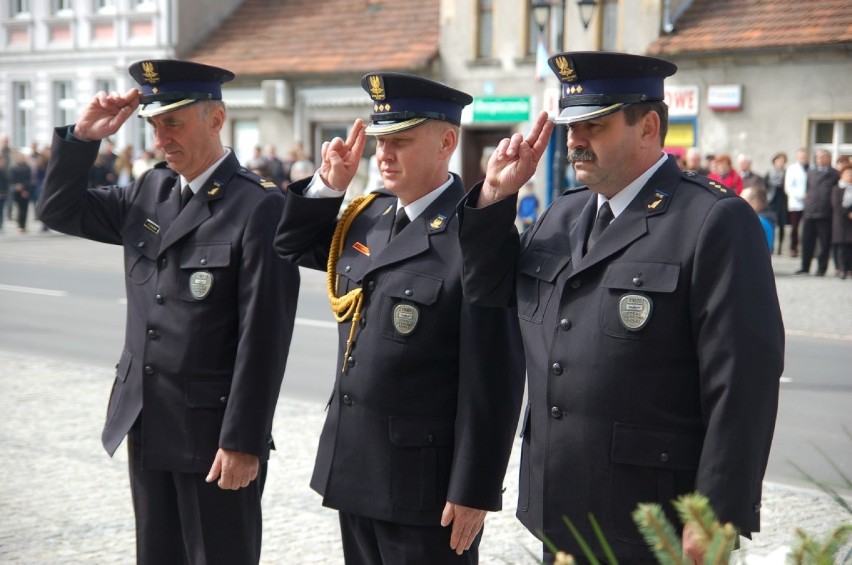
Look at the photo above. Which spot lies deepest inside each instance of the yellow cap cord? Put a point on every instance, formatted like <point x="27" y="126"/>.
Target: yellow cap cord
<point x="349" y="305"/>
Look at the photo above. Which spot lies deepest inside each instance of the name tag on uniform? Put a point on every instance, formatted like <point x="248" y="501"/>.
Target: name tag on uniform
<point x="634" y="311"/>
<point x="151" y="226"/>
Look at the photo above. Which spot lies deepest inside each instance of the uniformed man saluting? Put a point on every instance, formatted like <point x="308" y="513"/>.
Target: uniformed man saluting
<point x="651" y="325"/>
<point x="210" y="312"/>
<point x="428" y="388"/>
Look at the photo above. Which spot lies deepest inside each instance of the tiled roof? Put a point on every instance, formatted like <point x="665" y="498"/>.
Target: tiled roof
<point x="734" y="25"/>
<point x="305" y="37"/>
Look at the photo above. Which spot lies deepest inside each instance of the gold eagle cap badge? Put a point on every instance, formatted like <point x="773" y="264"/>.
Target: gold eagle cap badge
<point x="150" y="73"/>
<point x="566" y="71"/>
<point x="377" y="87"/>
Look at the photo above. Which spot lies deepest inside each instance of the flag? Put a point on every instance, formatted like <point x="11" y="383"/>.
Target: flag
<point x="541" y="68"/>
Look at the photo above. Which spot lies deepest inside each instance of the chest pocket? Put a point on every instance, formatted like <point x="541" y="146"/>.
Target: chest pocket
<point x="408" y="308"/>
<point x="140" y="255"/>
<point x="639" y="300"/>
<point x="537" y="271"/>
<point x="350" y="272"/>
<point x="210" y="260"/>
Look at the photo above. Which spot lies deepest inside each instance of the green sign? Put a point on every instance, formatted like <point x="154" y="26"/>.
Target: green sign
<point x="501" y="109"/>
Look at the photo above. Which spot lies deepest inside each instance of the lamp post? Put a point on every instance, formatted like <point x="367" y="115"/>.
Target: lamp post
<point x="587" y="10"/>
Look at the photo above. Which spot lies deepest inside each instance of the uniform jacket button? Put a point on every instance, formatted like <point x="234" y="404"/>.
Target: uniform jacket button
<point x="152" y="334"/>
<point x="756" y="508"/>
<point x="159" y="299"/>
<point x="140" y="245"/>
<point x="371" y="285"/>
<point x="575" y="284"/>
<point x="556" y="368"/>
<point x="362" y="322"/>
<point x="149" y="370"/>
<point x="203" y="260"/>
<point x="223" y="399"/>
<point x="350" y="361"/>
<point x="565" y="324"/>
<point x="347" y="400"/>
<point x="664" y="457"/>
<point x="347" y="268"/>
<point x="409" y="292"/>
<point x="637" y="281"/>
<point x="556" y="412"/>
<point x="430" y="438"/>
<point x="163" y="263"/>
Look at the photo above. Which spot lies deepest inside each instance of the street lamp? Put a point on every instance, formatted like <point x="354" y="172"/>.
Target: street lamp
<point x="587" y="10"/>
<point x="540" y="13"/>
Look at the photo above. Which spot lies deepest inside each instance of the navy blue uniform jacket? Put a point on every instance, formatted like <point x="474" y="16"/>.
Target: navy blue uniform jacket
<point x="416" y="419"/>
<point x="204" y="373"/>
<point x="621" y="413"/>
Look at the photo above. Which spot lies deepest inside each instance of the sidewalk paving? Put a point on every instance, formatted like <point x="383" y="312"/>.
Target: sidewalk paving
<point x="64" y="501"/>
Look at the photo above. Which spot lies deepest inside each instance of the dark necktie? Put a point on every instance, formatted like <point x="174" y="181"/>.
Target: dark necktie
<point x="399" y="222"/>
<point x="185" y="195"/>
<point x="601" y="222"/>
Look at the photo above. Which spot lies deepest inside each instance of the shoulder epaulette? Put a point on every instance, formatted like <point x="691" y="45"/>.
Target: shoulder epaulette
<point x="715" y="187"/>
<point x="574" y="189"/>
<point x="256" y="179"/>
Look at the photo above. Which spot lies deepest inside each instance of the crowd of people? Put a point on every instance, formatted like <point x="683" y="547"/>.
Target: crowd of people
<point x="22" y="172"/>
<point x="810" y="202"/>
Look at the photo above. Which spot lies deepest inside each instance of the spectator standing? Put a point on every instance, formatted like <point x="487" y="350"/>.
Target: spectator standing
<point x="724" y="173"/>
<point x="841" y="225"/>
<point x="275" y="167"/>
<point x="795" y="185"/>
<point x="8" y="160"/>
<point x="744" y="164"/>
<point x="527" y="207"/>
<point x="21" y="183"/>
<point x="124" y="166"/>
<point x="756" y="197"/>
<point x="143" y="162"/>
<point x="776" y="195"/>
<point x="816" y="216"/>
<point x="693" y="162"/>
<point x="4" y="189"/>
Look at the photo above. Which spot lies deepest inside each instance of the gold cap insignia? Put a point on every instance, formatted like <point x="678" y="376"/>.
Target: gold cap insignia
<point x="149" y="73"/>
<point x="565" y="70"/>
<point x="377" y="87"/>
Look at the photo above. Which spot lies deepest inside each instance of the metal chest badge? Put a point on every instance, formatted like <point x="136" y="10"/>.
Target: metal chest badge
<point x="405" y="317"/>
<point x="200" y="284"/>
<point x="634" y="311"/>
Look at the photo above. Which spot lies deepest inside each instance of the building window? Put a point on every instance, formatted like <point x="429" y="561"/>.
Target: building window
<point x="105" y="84"/>
<point x="105" y="6"/>
<point x="536" y="34"/>
<point x="144" y="5"/>
<point x="23" y="104"/>
<point x="609" y="15"/>
<point x="21" y="8"/>
<point x="64" y="104"/>
<point x="485" y="29"/>
<point x="833" y="136"/>
<point x="62" y="8"/>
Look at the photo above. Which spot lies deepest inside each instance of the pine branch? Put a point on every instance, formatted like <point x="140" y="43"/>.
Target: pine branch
<point x="659" y="534"/>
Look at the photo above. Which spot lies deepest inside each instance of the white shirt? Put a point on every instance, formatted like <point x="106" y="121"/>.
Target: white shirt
<point x="795" y="184"/>
<point x="625" y="196"/>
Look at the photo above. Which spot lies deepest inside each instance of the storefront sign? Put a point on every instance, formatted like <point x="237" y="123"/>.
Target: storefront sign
<point x="501" y="109"/>
<point x="682" y="101"/>
<point x="725" y="97"/>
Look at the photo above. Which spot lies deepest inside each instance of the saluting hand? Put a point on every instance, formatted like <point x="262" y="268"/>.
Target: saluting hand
<point x="105" y="114"/>
<point x="234" y="469"/>
<point x="340" y="159"/>
<point x="514" y="161"/>
<point x="467" y="522"/>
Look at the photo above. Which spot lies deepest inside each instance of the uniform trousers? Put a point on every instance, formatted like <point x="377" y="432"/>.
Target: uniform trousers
<point x="795" y="218"/>
<point x="375" y="542"/>
<point x="813" y="230"/>
<point x="183" y="520"/>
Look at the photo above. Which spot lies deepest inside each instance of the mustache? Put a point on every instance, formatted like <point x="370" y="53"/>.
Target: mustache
<point x="580" y="155"/>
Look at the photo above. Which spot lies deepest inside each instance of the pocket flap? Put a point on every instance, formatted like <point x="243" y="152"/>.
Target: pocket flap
<point x="655" y="447"/>
<point x="646" y="276"/>
<point x="207" y="394"/>
<point x="414" y="287"/>
<point x="541" y="264"/>
<point x="421" y="432"/>
<point x="205" y="255"/>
